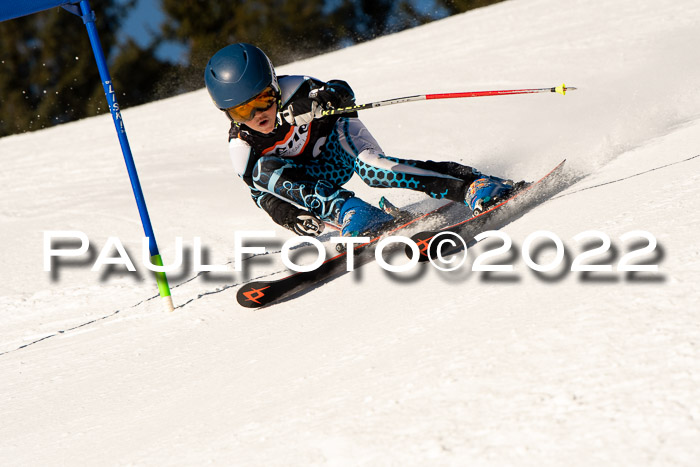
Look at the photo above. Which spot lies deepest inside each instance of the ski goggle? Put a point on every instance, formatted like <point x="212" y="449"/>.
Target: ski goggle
<point x="245" y="112"/>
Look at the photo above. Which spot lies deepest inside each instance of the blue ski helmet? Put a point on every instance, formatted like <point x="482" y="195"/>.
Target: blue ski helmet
<point x="237" y="73"/>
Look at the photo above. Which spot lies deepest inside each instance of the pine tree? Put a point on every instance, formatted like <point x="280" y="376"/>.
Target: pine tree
<point x="286" y="30"/>
<point x="48" y="73"/>
<point x="460" y="6"/>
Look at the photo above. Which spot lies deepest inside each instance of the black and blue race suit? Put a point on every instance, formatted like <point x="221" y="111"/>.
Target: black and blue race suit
<point x="306" y="166"/>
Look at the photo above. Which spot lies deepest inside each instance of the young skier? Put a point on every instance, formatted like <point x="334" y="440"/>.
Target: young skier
<point x="296" y="161"/>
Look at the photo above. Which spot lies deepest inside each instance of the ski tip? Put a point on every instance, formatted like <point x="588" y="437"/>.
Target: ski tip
<point x="562" y="89"/>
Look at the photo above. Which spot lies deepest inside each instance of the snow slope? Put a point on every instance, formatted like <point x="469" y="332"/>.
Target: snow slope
<point x="421" y="368"/>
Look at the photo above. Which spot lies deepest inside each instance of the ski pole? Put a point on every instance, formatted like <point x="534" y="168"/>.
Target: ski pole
<point x="452" y="95"/>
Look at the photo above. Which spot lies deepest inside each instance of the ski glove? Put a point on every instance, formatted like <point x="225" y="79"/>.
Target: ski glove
<point x="302" y="111"/>
<point x="305" y="224"/>
<point x="333" y="95"/>
<point x="287" y="215"/>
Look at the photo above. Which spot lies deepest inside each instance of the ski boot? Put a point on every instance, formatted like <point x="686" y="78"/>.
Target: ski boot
<point x="359" y="218"/>
<point x="487" y="192"/>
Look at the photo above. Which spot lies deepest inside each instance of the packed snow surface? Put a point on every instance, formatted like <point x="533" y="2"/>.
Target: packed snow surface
<point x="419" y="368"/>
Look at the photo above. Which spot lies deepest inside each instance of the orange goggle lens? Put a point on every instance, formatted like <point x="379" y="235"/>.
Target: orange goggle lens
<point x="246" y="111"/>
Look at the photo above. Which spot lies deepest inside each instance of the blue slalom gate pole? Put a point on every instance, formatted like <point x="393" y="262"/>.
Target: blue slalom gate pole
<point x="88" y="16"/>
